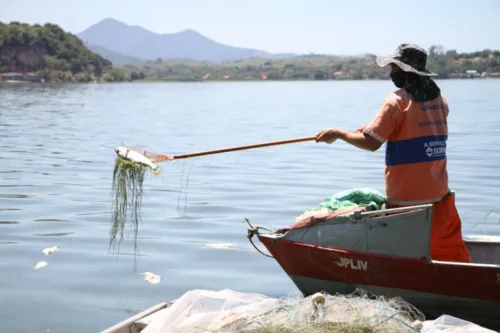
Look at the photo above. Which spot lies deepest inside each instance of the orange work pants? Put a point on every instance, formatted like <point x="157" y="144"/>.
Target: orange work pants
<point x="447" y="243"/>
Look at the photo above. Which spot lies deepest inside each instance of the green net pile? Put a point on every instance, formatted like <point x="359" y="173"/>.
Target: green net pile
<point x="361" y="197"/>
<point x="358" y="197"/>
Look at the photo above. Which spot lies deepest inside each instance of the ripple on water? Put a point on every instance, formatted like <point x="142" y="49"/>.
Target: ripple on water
<point x="9" y="222"/>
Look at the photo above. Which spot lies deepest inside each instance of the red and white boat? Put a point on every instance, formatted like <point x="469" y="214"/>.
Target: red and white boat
<point x="387" y="253"/>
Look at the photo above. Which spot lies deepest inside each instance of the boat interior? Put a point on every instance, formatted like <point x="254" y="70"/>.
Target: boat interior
<point x="485" y="251"/>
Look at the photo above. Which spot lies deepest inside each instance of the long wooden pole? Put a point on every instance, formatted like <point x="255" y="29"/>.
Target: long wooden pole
<point x="258" y="145"/>
<point x="225" y="150"/>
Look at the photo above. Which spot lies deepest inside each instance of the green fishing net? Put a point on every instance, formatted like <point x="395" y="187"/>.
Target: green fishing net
<point x="361" y="197"/>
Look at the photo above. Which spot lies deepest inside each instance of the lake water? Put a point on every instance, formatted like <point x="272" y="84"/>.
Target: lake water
<point x="57" y="155"/>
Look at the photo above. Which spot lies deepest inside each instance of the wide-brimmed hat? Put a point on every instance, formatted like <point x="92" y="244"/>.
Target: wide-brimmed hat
<point x="408" y="57"/>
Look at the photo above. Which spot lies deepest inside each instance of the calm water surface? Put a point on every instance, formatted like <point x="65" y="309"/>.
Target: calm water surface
<point x="56" y="164"/>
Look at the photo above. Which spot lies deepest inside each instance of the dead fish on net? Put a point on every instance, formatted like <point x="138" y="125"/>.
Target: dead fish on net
<point x="134" y="156"/>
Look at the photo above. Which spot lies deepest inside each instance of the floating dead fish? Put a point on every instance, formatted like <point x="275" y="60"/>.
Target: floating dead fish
<point x="151" y="278"/>
<point x="40" y="264"/>
<point x="220" y="245"/>
<point x="48" y="251"/>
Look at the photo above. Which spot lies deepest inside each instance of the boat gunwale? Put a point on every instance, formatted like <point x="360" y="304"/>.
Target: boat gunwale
<point x="126" y="323"/>
<point x="385" y="256"/>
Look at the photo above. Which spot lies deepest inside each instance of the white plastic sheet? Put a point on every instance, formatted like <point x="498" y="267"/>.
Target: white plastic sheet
<point x="450" y="324"/>
<point x="203" y="309"/>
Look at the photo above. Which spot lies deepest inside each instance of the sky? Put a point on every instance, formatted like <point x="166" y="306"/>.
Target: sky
<point x="314" y="26"/>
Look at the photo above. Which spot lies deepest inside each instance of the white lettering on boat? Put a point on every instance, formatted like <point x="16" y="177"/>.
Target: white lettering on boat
<point x="349" y="263"/>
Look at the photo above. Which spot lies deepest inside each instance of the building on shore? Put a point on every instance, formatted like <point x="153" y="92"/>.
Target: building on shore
<point x="20" y="77"/>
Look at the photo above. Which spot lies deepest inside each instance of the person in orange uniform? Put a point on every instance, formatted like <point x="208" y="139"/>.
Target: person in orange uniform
<point x="413" y="122"/>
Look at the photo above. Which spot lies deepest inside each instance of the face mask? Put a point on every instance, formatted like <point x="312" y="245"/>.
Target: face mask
<point x="398" y="78"/>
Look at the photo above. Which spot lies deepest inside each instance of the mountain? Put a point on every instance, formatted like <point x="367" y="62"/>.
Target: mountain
<point x="115" y="57"/>
<point x="140" y="43"/>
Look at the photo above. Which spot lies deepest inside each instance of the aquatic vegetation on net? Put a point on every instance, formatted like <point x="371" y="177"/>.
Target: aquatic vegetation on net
<point x="127" y="190"/>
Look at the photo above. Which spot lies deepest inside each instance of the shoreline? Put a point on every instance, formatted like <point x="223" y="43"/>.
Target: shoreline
<point x="232" y="81"/>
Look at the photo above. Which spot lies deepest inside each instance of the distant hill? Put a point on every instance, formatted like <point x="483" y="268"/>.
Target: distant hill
<point x="140" y="43"/>
<point x="115" y="57"/>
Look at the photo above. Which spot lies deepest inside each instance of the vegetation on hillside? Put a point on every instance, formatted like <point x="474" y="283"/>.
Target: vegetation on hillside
<point x="59" y="56"/>
<point x="448" y="64"/>
<point x="51" y="53"/>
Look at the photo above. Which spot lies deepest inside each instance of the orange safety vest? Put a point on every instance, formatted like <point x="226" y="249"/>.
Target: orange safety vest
<point x="416" y="135"/>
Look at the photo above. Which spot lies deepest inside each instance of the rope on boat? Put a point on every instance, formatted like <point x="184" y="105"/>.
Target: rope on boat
<point x="252" y="231"/>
